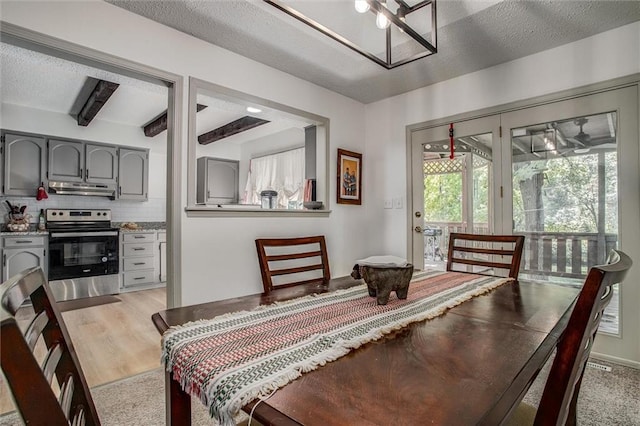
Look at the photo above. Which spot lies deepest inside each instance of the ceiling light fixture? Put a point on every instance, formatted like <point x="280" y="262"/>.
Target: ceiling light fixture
<point x="253" y="109"/>
<point x="409" y="33"/>
<point x="362" y="6"/>
<point x="381" y="21"/>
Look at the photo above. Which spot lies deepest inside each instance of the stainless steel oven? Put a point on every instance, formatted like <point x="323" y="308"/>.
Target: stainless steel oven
<point x="83" y="253"/>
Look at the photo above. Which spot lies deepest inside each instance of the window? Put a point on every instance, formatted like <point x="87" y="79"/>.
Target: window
<point x="282" y="172"/>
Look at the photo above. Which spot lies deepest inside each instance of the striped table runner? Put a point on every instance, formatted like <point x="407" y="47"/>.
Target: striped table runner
<point x="232" y="359"/>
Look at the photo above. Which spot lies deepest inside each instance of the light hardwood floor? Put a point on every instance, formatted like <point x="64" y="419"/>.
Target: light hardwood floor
<point x="113" y="341"/>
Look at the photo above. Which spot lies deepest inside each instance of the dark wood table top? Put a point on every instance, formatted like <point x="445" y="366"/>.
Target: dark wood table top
<point x="471" y="365"/>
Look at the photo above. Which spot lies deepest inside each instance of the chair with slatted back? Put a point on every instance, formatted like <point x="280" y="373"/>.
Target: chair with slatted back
<point x="31" y="378"/>
<point x="559" y="398"/>
<point x="479" y="253"/>
<point x="295" y="261"/>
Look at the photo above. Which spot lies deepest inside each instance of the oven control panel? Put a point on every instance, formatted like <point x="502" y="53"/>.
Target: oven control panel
<point x="76" y="215"/>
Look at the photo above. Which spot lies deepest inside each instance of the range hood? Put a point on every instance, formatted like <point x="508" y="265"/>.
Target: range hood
<point x="73" y="188"/>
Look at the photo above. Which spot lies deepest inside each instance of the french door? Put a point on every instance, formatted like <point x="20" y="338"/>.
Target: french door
<point x="452" y="194"/>
<point x="565" y="174"/>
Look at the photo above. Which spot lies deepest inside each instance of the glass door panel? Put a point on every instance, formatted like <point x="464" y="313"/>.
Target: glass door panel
<point x="565" y="198"/>
<point x="456" y="193"/>
<point x="452" y="195"/>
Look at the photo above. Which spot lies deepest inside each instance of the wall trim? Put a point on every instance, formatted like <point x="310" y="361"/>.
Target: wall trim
<point x="212" y="89"/>
<point x="577" y="92"/>
<point x="616" y="360"/>
<point x="67" y="50"/>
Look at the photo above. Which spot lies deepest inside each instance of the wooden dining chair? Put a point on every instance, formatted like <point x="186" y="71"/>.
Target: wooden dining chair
<point x="559" y="398"/>
<point x="286" y="262"/>
<point x="30" y="376"/>
<point x="481" y="254"/>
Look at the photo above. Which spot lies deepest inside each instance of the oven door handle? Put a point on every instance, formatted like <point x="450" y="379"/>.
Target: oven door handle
<point x="83" y="234"/>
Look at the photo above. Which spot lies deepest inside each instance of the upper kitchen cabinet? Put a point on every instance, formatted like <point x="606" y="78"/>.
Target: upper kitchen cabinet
<point x="133" y="175"/>
<point x="217" y="181"/>
<point x="77" y="161"/>
<point x="66" y="160"/>
<point x="24" y="163"/>
<point x="101" y="164"/>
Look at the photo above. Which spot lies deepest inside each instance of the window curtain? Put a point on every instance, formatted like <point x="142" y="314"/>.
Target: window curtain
<point x="282" y="172"/>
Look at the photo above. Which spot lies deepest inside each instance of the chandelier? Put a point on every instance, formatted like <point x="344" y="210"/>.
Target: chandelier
<point x="388" y="32"/>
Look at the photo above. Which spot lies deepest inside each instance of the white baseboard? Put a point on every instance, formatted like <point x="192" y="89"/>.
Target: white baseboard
<point x="616" y="360"/>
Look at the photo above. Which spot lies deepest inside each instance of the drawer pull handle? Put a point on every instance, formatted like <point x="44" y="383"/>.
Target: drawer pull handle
<point x="23" y="241"/>
<point x="139" y="278"/>
<point x="138" y="248"/>
<point x="140" y="263"/>
<point x="139" y="236"/>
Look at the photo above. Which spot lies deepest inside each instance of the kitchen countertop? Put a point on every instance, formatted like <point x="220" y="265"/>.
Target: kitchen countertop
<point x="142" y="226"/>
<point x="26" y="233"/>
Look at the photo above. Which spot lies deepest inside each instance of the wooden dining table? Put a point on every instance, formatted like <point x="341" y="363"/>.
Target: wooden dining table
<point x="471" y="365"/>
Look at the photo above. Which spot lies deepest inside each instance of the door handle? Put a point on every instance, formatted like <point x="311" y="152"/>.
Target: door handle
<point x="86" y="173"/>
<point x="418" y="229"/>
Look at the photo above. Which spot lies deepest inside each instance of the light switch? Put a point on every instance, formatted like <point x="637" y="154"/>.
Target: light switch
<point x="397" y="203"/>
<point x="388" y="204"/>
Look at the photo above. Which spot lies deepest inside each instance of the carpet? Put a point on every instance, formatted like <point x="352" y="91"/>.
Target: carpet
<point x="137" y="400"/>
<point x="606" y="398"/>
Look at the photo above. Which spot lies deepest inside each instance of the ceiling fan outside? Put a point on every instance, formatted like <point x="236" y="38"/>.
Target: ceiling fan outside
<point x="581" y="138"/>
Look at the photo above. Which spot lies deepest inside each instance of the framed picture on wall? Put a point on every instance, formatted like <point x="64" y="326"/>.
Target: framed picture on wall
<point x="349" y="177"/>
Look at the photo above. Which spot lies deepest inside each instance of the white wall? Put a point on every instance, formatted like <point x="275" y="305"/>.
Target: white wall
<point x="612" y="54"/>
<point x="609" y="55"/>
<point x="218" y="254"/>
<point x="31" y="120"/>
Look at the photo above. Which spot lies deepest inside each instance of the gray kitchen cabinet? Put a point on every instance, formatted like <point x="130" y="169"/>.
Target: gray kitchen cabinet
<point x="101" y="164"/>
<point x="133" y="174"/>
<point x="24" y="163"/>
<point x="137" y="258"/>
<point x="23" y="252"/>
<point x="66" y="160"/>
<point x="78" y="161"/>
<point x="217" y="181"/>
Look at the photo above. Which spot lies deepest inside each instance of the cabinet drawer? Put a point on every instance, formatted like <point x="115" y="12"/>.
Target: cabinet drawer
<point x="141" y="249"/>
<point x="137" y="263"/>
<point x="134" y="278"/>
<point x="22" y="241"/>
<point x="135" y="237"/>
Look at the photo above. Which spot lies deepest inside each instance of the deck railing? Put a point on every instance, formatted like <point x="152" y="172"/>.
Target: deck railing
<point x="561" y="254"/>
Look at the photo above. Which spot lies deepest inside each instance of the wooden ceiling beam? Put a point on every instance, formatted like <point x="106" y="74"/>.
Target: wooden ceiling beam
<point x="159" y="124"/>
<point x="230" y="129"/>
<point x="95" y="101"/>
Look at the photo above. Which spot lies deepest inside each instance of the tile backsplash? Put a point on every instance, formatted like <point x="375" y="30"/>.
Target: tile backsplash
<point x="152" y="210"/>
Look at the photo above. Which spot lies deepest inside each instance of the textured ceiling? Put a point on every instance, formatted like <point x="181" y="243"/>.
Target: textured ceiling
<point x="35" y="80"/>
<point x="45" y="82"/>
<point x="472" y="35"/>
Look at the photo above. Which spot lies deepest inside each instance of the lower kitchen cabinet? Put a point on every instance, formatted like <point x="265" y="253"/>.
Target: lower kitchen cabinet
<point x="141" y="259"/>
<point x="23" y="252"/>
